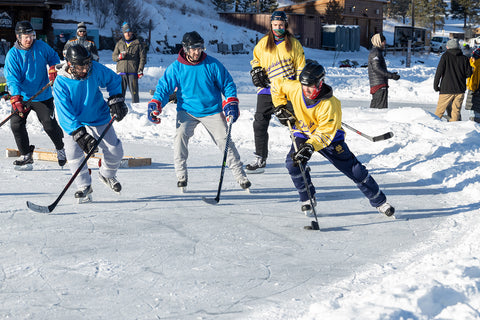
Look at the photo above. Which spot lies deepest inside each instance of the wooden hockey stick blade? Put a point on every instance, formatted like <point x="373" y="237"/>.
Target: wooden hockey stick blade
<point x="384" y="136"/>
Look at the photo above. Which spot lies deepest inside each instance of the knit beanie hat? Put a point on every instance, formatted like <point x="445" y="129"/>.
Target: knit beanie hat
<point x="126" y="27"/>
<point x="452" y="44"/>
<point x="377" y="40"/>
<point x="81" y="26"/>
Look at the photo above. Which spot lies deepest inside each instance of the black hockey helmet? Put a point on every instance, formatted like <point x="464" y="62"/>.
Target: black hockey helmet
<point x="78" y="55"/>
<point x="312" y="74"/>
<point x="192" y="40"/>
<point x="23" y="27"/>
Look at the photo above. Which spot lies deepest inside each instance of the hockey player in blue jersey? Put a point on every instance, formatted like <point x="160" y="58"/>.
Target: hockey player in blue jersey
<point x="83" y="115"/>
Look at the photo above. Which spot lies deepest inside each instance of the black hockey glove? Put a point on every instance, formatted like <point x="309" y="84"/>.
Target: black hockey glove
<point x="395" y="76"/>
<point x="285" y="114"/>
<point x="84" y="140"/>
<point x="259" y="77"/>
<point x="117" y="106"/>
<point x="304" y="153"/>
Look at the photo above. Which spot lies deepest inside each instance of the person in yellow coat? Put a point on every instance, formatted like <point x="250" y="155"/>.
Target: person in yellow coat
<point x="473" y="86"/>
<point x="277" y="55"/>
<point x="316" y="121"/>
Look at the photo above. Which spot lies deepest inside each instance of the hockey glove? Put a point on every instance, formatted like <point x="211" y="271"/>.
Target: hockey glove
<point x="259" y="77"/>
<point x="230" y="108"/>
<point x="84" y="140"/>
<point x="285" y="115"/>
<point x="140" y="75"/>
<point x="154" y="110"/>
<point x="395" y="76"/>
<point x="122" y="55"/>
<point x="18" y="107"/>
<point x="304" y="153"/>
<point x="117" y="106"/>
<point x="52" y="73"/>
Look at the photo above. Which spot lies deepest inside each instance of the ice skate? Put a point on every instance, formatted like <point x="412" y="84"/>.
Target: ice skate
<point x="61" y="157"/>
<point x="84" y="195"/>
<point x="256" y="166"/>
<point x="245" y="184"/>
<point x="386" y="209"/>
<point x="182" y="186"/>
<point x="307" y="207"/>
<point x="112" y="183"/>
<point x="25" y="162"/>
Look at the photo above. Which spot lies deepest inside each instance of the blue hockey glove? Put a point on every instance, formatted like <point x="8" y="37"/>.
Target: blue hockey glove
<point x="230" y="108"/>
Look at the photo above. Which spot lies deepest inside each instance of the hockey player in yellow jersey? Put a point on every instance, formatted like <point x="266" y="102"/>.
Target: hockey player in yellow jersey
<point x="277" y="55"/>
<point x="316" y="121"/>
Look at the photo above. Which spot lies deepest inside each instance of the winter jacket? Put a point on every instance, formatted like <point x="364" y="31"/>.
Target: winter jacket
<point x="199" y="86"/>
<point x="279" y="63"/>
<point x="378" y="74"/>
<point x="134" y="59"/>
<point x="80" y="102"/>
<point x="452" y="71"/>
<point x="321" y="122"/>
<point x="26" y="70"/>
<point x="473" y="83"/>
<point x="88" y="44"/>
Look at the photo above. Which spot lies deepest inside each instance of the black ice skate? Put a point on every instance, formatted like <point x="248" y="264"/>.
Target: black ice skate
<point x="386" y="209"/>
<point x="182" y="186"/>
<point x="25" y="162"/>
<point x="112" y="183"/>
<point x="61" y="157"/>
<point x="84" y="195"/>
<point x="307" y="207"/>
<point x="245" y="184"/>
<point x="256" y="166"/>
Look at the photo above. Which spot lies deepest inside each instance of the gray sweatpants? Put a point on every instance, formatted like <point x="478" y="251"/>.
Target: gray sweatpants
<point x="110" y="146"/>
<point x="216" y="126"/>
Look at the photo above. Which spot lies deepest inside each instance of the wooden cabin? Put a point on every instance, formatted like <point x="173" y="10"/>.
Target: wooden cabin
<point x="38" y="12"/>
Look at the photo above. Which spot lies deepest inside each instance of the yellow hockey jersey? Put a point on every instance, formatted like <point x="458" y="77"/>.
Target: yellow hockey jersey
<point x="279" y="63"/>
<point x="320" y="123"/>
<point x="474" y="81"/>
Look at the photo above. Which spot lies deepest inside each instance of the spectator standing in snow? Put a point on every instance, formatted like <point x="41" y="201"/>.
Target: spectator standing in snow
<point x="130" y="56"/>
<point x="277" y="55"/>
<point x="60" y="44"/>
<point x="450" y="80"/>
<point x="317" y="127"/>
<point x="81" y="38"/>
<point x="84" y="114"/>
<point x="26" y="74"/>
<point x="378" y="74"/>
<point x="201" y="81"/>
<point x="473" y="86"/>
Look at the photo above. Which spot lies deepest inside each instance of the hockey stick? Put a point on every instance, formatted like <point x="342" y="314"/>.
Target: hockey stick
<point x="380" y="137"/>
<point x="314" y="225"/>
<point x="224" y="163"/>
<point x="27" y="102"/>
<point x="47" y="209"/>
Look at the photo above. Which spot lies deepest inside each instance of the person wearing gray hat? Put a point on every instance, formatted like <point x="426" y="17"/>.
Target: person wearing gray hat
<point x="81" y="38"/>
<point x="450" y="80"/>
<point x="130" y="56"/>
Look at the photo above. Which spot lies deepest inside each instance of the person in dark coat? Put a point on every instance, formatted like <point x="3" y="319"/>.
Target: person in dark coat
<point x="82" y="39"/>
<point x="378" y="74"/>
<point x="450" y="80"/>
<point x="130" y="56"/>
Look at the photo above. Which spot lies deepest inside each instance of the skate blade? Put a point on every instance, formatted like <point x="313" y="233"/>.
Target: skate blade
<point x="86" y="199"/>
<point x="258" y="171"/>
<point x="247" y="190"/>
<point x="182" y="189"/>
<point x="27" y="167"/>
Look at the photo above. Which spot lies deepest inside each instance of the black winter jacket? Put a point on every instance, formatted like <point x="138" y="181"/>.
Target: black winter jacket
<point x="377" y="68"/>
<point x="452" y="72"/>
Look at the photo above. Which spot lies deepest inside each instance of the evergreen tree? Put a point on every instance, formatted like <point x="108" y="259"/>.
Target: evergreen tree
<point x="333" y="13"/>
<point x="467" y="10"/>
<point x="398" y="8"/>
<point x="429" y="13"/>
<point x="222" y="5"/>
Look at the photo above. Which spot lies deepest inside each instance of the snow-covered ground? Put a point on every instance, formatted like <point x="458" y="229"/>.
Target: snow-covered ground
<point x="153" y="253"/>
